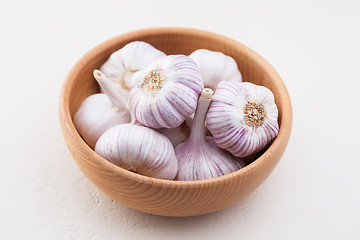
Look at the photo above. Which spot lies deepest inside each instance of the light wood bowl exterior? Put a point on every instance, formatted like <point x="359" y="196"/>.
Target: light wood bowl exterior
<point x="165" y="197"/>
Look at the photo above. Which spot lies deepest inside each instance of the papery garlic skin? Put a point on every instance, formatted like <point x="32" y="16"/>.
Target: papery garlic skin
<point x="95" y="115"/>
<point x="204" y="161"/>
<point x="166" y="92"/>
<point x="139" y="149"/>
<point x="242" y="117"/>
<point x="215" y="67"/>
<point x="178" y="134"/>
<point x="123" y="63"/>
<point x="199" y="157"/>
<point x="99" y="112"/>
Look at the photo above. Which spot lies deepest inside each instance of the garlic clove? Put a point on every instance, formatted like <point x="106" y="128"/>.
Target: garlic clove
<point x="100" y="112"/>
<point x="215" y="67"/>
<point x="166" y="92"/>
<point x="199" y="157"/>
<point x="139" y="149"/>
<point x="123" y="63"/>
<point x="242" y="117"/>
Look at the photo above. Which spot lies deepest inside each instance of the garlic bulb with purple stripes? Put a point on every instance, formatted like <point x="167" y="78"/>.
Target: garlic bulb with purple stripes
<point x="101" y="111"/>
<point x="242" y="117"/>
<point x="199" y="157"/>
<point x="139" y="149"/>
<point x="123" y="63"/>
<point x="166" y="91"/>
<point x="215" y="67"/>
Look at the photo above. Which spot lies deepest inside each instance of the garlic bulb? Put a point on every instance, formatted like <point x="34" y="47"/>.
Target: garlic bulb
<point x="123" y="63"/>
<point x="139" y="149"/>
<point x="100" y="112"/>
<point x="215" y="67"/>
<point x="179" y="134"/>
<point x="199" y="157"/>
<point x="242" y="117"/>
<point x="166" y="92"/>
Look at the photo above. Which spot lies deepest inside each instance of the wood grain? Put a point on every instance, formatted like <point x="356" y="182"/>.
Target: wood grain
<point x="164" y="197"/>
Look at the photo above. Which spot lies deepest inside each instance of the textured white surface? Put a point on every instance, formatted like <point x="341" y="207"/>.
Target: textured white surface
<point x="314" y="192"/>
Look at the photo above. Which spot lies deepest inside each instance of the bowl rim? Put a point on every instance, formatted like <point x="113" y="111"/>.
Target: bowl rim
<point x="68" y="126"/>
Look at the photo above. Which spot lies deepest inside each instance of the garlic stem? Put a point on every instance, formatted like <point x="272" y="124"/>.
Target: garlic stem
<point x="115" y="98"/>
<point x="199" y="157"/>
<point x="198" y="132"/>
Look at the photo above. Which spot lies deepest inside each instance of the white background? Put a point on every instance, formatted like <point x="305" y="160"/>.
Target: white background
<point x="314" y="192"/>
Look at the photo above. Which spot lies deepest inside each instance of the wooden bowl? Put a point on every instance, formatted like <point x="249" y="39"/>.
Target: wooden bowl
<point x="166" y="197"/>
